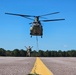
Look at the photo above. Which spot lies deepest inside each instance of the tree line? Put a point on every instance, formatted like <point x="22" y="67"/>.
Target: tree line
<point x="40" y="53"/>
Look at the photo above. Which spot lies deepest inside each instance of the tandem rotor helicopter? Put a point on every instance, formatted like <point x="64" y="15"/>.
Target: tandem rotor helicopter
<point x="36" y="28"/>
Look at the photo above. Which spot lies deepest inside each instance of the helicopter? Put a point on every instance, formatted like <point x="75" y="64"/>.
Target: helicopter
<point x="36" y="28"/>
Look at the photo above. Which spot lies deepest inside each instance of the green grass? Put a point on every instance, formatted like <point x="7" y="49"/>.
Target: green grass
<point x="33" y="74"/>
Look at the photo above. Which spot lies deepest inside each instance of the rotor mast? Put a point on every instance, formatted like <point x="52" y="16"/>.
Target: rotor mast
<point x="37" y="19"/>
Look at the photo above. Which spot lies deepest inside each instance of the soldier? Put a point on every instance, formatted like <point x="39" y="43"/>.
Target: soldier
<point x="28" y="51"/>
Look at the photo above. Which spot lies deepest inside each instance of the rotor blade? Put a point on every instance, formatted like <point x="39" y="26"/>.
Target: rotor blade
<point x="25" y="16"/>
<point x="43" y="17"/>
<point x="29" y="18"/>
<point x="50" y="13"/>
<point x="52" y="20"/>
<point x="18" y="15"/>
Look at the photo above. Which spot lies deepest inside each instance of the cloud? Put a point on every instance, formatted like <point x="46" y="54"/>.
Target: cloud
<point x="65" y="46"/>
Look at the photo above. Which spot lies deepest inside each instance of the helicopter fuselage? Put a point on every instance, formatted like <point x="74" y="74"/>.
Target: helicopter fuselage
<point x="36" y="29"/>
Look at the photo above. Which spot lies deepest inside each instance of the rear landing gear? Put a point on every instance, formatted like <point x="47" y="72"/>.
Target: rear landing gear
<point x="41" y="36"/>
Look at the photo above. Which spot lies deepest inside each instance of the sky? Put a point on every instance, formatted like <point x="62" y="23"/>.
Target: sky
<point x="57" y="35"/>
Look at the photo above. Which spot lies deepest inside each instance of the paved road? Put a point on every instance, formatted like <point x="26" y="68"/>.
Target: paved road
<point x="61" y="65"/>
<point x="24" y="65"/>
<point x="16" y="65"/>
